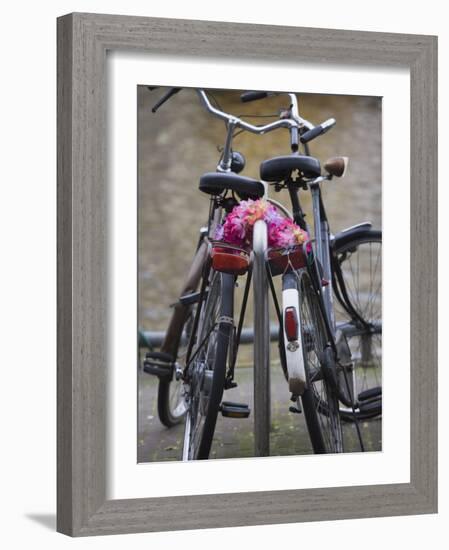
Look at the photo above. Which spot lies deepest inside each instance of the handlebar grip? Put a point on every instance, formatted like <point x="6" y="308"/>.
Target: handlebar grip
<point x="311" y="134"/>
<point x="251" y="96"/>
<point x="318" y="130"/>
<point x="165" y="98"/>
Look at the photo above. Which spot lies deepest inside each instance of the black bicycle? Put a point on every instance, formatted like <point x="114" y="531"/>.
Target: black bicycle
<point x="203" y="319"/>
<point x="331" y="356"/>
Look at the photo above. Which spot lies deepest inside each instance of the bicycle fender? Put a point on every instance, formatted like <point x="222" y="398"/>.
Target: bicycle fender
<point x="293" y="349"/>
<point x="348" y="234"/>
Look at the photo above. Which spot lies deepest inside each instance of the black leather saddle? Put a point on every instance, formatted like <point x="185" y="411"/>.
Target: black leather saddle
<point x="214" y="183"/>
<point x="281" y="168"/>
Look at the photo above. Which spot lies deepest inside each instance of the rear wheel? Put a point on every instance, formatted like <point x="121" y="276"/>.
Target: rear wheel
<point x="359" y="264"/>
<point x="319" y="400"/>
<point x="207" y="372"/>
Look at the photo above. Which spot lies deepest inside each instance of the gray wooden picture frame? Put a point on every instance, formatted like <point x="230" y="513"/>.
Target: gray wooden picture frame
<point x="83" y="40"/>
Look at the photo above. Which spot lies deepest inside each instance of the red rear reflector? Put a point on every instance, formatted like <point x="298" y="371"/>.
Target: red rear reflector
<point x="291" y="324"/>
<point x="229" y="261"/>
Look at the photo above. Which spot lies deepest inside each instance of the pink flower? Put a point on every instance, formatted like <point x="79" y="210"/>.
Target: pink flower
<point x="234" y="233"/>
<point x="281" y="236"/>
<point x="256" y="211"/>
<point x="273" y="217"/>
<point x="237" y="228"/>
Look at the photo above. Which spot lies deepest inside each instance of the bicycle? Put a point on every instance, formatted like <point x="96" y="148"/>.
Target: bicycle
<point x="322" y="370"/>
<point x="212" y="336"/>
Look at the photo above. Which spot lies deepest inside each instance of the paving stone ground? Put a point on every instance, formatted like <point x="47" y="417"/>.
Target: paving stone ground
<point x="234" y="438"/>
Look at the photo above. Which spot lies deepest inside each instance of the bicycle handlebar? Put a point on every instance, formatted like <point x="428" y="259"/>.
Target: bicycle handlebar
<point x="238" y="122"/>
<point x="229" y="119"/>
<point x="312" y="131"/>
<point x="294" y="123"/>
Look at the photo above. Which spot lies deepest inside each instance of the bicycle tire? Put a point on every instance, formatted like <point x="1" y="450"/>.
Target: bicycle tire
<point x="205" y="387"/>
<point x="171" y="405"/>
<point x="319" y="399"/>
<point x="170" y="408"/>
<point x="362" y="253"/>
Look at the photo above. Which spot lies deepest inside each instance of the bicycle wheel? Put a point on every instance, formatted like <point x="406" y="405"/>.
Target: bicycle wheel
<point x="171" y="403"/>
<point x="320" y="403"/>
<point x="359" y="263"/>
<point x="207" y="373"/>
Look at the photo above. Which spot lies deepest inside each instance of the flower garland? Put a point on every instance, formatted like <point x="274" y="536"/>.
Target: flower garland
<point x="237" y="228"/>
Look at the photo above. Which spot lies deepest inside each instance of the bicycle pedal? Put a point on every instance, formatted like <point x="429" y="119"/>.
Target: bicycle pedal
<point x="158" y="364"/>
<point x="370" y="407"/>
<point x="188" y="299"/>
<point x="234" y="410"/>
<point x="370" y="394"/>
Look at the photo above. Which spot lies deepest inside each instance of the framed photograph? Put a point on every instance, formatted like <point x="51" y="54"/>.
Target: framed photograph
<point x="184" y="128"/>
<point x="294" y="376"/>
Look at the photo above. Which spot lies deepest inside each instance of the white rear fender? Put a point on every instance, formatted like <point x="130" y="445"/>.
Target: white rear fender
<point x="293" y="348"/>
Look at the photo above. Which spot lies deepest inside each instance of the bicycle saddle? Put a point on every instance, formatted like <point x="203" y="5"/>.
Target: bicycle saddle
<point x="280" y="168"/>
<point x="214" y="183"/>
